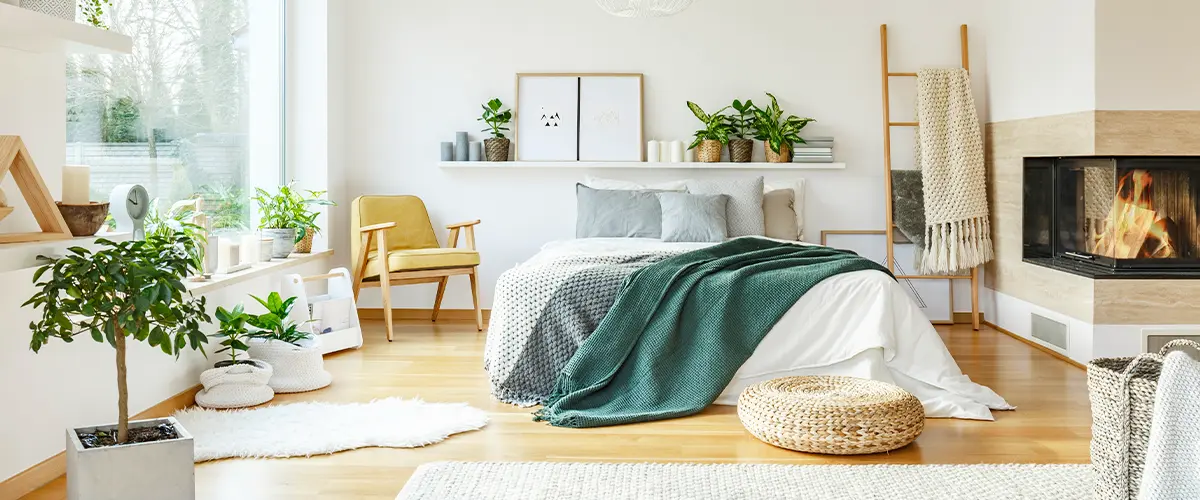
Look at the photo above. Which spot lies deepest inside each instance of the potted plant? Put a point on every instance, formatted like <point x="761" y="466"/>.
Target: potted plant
<point x="288" y="346"/>
<point x="741" y="131"/>
<point x="497" y="121"/>
<point x="711" y="138"/>
<point x="778" y="133"/>
<point x="289" y="219"/>
<point x="131" y="290"/>
<point x="233" y="382"/>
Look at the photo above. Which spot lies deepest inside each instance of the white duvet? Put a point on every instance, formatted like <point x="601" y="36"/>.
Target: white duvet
<point x="859" y="324"/>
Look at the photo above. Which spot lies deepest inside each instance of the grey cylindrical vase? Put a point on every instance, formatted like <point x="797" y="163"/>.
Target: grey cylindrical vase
<point x="476" y="151"/>
<point x="447" y="151"/>
<point x="460" y="147"/>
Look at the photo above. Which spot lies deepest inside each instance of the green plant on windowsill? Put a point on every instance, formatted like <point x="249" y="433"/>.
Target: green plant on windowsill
<point x="713" y="136"/>
<point x="290" y="213"/>
<point x="228" y="206"/>
<point x="779" y="134"/>
<point x="177" y="221"/>
<point x="274" y="324"/>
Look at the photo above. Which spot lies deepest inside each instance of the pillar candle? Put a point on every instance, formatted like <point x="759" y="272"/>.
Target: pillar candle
<point x="676" y="152"/>
<point x="76" y="184"/>
<point x="251" y="243"/>
<point x="264" y="249"/>
<point x="653" y="152"/>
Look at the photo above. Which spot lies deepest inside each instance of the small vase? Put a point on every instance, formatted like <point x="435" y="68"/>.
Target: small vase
<point x="708" y="151"/>
<point x="741" y="150"/>
<point x="460" y="147"/>
<point x="305" y="243"/>
<point x="497" y="149"/>
<point x="282" y="241"/>
<point x="783" y="156"/>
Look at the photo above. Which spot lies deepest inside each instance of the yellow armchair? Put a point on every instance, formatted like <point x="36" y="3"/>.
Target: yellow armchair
<point x="393" y="244"/>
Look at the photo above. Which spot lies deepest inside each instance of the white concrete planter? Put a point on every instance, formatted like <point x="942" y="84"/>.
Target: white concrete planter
<point x="161" y="470"/>
<point x="282" y="242"/>
<point x="296" y="368"/>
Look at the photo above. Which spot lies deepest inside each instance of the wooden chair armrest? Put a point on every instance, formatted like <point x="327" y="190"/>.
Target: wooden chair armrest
<point x="463" y="224"/>
<point x="377" y="227"/>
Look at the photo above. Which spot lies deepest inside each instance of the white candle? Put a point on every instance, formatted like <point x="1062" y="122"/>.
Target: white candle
<point x="653" y="152"/>
<point x="676" y="151"/>
<point x="76" y="184"/>
<point x="689" y="156"/>
<point x="250" y="246"/>
<point x="264" y="249"/>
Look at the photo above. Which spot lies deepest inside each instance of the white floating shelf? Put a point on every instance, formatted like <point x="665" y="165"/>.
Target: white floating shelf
<point x="30" y="31"/>
<point x="642" y="165"/>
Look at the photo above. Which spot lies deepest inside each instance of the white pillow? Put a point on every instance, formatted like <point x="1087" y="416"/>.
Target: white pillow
<point x="601" y="183"/>
<point x="797" y="186"/>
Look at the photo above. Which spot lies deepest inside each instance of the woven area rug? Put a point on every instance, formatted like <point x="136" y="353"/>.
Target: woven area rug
<point x="577" y="481"/>
<point x="306" y="429"/>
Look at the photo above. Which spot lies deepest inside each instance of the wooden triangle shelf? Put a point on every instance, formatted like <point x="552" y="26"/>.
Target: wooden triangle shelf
<point x="15" y="158"/>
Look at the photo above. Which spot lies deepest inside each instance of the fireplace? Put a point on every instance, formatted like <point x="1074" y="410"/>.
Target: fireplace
<point x="1113" y="217"/>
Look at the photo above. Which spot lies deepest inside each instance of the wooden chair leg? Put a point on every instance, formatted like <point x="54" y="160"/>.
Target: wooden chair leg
<point x="385" y="286"/>
<point x="360" y="262"/>
<point x="475" y="298"/>
<point x="437" y="302"/>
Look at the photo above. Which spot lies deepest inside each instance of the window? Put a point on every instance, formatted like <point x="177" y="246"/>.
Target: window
<point x="194" y="112"/>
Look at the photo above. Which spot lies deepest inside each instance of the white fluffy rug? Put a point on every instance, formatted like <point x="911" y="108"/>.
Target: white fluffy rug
<point x="306" y="429"/>
<point x="579" y="481"/>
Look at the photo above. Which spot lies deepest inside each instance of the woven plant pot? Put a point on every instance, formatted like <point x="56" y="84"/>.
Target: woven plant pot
<point x="496" y="149"/>
<point x="783" y="156"/>
<point x="297" y="368"/>
<point x="831" y="415"/>
<point x="83" y="220"/>
<point x="741" y="150"/>
<point x="305" y="243"/>
<point x="236" y="386"/>
<point x="708" y="152"/>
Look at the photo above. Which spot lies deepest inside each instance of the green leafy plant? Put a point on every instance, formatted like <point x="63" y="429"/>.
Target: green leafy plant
<point x="741" y="125"/>
<point x="233" y="331"/>
<point x="716" y="125"/>
<point x="288" y="208"/>
<point x="227" y="205"/>
<point x="93" y="12"/>
<point x="177" y="222"/>
<point x="274" y="324"/>
<point x="126" y="289"/>
<point x="495" y="119"/>
<point x="776" y="130"/>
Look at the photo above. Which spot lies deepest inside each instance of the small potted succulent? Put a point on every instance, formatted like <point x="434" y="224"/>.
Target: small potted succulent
<point x="711" y="138"/>
<point x="496" y="148"/>
<point x="778" y="133"/>
<point x="288" y="346"/>
<point x="121" y="292"/>
<point x="233" y="382"/>
<point x="741" y="131"/>
<point x="289" y="219"/>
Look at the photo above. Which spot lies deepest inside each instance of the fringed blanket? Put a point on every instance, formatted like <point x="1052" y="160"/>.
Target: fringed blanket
<point x="950" y="156"/>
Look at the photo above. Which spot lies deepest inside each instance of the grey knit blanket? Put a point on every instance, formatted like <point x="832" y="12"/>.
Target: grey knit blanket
<point x="543" y="311"/>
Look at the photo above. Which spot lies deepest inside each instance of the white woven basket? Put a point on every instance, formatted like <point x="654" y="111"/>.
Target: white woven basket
<point x="235" y="386"/>
<point x="1122" y="393"/>
<point x="297" y="368"/>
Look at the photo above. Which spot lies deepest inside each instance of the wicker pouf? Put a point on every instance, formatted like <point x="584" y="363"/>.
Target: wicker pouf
<point x="831" y="415"/>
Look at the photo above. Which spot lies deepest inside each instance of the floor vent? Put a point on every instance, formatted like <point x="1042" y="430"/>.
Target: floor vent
<point x="1049" y="331"/>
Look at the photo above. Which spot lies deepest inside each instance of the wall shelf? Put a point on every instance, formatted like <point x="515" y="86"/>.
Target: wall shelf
<point x="642" y="165"/>
<point x="29" y="31"/>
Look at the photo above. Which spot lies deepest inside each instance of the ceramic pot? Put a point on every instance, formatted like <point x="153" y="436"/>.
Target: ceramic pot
<point x="741" y="150"/>
<point x="283" y="241"/>
<point x="84" y="220"/>
<point x="708" y="151"/>
<point x="162" y="469"/>
<point x="783" y="156"/>
<point x="497" y="149"/>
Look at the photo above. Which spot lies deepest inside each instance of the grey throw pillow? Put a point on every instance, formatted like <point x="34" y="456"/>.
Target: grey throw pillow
<point x="745" y="203"/>
<point x="694" y="217"/>
<point x="605" y="213"/>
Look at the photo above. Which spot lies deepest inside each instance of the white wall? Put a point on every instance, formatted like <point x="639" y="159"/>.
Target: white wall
<point x="33" y="105"/>
<point x="417" y="72"/>
<point x="1041" y="57"/>
<point x="1147" y="55"/>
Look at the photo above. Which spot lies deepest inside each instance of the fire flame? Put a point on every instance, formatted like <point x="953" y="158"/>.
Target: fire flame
<point x="1134" y="228"/>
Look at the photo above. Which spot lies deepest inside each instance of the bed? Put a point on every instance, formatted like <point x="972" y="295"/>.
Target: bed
<point x="858" y="324"/>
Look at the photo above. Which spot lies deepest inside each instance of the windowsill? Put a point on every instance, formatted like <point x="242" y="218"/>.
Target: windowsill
<point x="220" y="281"/>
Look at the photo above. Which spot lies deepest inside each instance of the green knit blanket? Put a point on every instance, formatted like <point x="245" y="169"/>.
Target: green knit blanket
<point x="682" y="327"/>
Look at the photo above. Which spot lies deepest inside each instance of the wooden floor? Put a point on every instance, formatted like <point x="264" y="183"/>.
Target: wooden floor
<point x="445" y="363"/>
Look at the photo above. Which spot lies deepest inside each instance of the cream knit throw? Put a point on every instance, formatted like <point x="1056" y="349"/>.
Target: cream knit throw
<point x="1173" y="457"/>
<point x="950" y="155"/>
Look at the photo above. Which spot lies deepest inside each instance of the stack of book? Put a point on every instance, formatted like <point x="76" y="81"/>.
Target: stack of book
<point x="814" y="150"/>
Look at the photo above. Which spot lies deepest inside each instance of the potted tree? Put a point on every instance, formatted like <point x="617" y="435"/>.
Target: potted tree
<point x="131" y="290"/>
<point x="288" y="346"/>
<point x="497" y="121"/>
<point x="289" y="219"/>
<point x="741" y="131"/>
<point x="778" y="133"/>
<point x="233" y="382"/>
<point x="711" y="138"/>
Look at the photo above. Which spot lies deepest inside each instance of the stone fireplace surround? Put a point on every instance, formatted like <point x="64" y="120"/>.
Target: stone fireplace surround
<point x="1104" y="317"/>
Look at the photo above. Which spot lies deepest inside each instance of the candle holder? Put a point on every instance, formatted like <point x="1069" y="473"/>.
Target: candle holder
<point x="83" y="219"/>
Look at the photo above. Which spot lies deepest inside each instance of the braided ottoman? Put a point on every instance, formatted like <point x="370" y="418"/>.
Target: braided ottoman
<point x="831" y="415"/>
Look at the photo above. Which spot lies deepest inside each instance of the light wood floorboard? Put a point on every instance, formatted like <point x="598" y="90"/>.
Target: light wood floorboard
<point x="444" y="362"/>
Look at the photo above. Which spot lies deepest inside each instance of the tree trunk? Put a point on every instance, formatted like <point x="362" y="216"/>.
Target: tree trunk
<point x="122" y="389"/>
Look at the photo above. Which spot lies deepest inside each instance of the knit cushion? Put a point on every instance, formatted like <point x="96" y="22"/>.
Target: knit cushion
<point x="745" y="203"/>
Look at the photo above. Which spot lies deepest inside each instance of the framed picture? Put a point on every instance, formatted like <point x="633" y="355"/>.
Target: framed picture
<point x="579" y="117"/>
